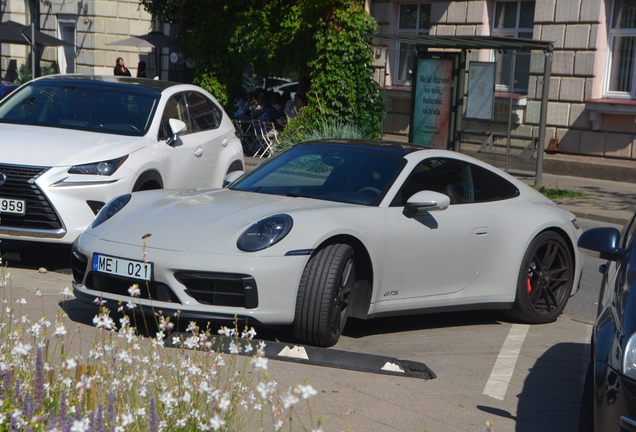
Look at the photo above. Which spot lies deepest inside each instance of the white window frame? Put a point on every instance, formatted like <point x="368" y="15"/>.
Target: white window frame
<point x="613" y="33"/>
<point x="61" y="57"/>
<point x="407" y="32"/>
<point x="511" y="32"/>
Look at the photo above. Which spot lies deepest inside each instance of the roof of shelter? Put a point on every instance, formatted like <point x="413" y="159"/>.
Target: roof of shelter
<point x="468" y="42"/>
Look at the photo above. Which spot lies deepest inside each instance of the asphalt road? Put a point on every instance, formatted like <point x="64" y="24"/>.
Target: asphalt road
<point x="522" y="378"/>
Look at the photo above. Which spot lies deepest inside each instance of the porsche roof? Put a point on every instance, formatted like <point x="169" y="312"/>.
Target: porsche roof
<point x="391" y="146"/>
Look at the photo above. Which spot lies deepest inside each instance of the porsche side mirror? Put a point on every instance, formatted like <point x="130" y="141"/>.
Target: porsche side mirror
<point x="177" y="128"/>
<point x="603" y="240"/>
<point x="231" y="177"/>
<point x="425" y="201"/>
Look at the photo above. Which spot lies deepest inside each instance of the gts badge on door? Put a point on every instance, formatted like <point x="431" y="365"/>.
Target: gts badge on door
<point x="391" y="293"/>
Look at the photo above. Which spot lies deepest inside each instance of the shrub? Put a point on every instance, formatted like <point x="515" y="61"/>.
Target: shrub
<point x="326" y="129"/>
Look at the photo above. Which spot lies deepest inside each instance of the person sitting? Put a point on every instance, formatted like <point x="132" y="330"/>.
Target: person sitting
<point x="120" y="69"/>
<point x="273" y="114"/>
<point x="294" y="106"/>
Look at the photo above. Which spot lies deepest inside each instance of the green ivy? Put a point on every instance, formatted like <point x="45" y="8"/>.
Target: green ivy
<point x="321" y="42"/>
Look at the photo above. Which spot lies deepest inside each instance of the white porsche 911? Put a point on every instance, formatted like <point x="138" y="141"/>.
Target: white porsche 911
<point x="71" y="143"/>
<point x="332" y="229"/>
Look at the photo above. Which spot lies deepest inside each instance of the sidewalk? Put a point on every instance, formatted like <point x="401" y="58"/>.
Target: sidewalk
<point x="609" y="201"/>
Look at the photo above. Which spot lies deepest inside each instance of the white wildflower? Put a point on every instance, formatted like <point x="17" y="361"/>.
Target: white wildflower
<point x="260" y="362"/>
<point x="216" y="422"/>
<point x="249" y="335"/>
<point x="224" y="331"/>
<point x="70" y="363"/>
<point x="127" y="419"/>
<point x="80" y="425"/>
<point x="103" y="321"/>
<point x="224" y="404"/>
<point x="134" y="290"/>
<point x="307" y="391"/>
<point x="289" y="399"/>
<point x="21" y="349"/>
<point x="60" y="330"/>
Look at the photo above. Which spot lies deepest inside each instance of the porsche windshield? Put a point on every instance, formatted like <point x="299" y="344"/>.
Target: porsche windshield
<point x="352" y="174"/>
<point x="113" y="109"/>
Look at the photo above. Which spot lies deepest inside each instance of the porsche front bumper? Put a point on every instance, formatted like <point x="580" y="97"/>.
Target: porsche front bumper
<point x="194" y="284"/>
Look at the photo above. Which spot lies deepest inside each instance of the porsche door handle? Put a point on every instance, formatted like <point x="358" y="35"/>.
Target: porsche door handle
<point x="198" y="152"/>
<point x="480" y="231"/>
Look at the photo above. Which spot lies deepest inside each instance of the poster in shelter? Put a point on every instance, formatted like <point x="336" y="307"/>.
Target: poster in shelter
<point x="481" y="90"/>
<point x="432" y="104"/>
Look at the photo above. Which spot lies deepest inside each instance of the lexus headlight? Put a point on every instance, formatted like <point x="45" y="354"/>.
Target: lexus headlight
<point x="110" y="209"/>
<point x="265" y="233"/>
<point x="104" y="168"/>
<point x="629" y="358"/>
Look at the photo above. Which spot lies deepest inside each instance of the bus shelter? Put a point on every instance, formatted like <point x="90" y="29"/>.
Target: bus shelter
<point x="486" y="96"/>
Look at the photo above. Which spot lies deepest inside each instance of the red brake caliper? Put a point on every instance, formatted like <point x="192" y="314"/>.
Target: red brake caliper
<point x="528" y="285"/>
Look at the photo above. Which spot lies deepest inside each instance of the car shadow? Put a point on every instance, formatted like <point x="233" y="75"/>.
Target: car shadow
<point x="35" y="255"/>
<point x="358" y="328"/>
<point x="550" y="400"/>
<point x="82" y="313"/>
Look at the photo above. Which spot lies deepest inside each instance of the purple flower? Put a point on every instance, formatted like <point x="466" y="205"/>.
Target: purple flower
<point x="111" y="411"/>
<point x="17" y="396"/>
<point x="39" y="380"/>
<point x="152" y="420"/>
<point x="99" y="419"/>
<point x="7" y="377"/>
<point x="27" y="406"/>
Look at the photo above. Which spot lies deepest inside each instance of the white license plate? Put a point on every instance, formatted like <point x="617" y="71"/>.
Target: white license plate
<point x="122" y="267"/>
<point x="12" y="206"/>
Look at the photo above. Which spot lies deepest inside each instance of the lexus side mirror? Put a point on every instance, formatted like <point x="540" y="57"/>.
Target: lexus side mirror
<point x="177" y="128"/>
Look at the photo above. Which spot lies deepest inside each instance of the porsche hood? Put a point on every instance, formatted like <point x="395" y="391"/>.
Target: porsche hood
<point x="181" y="220"/>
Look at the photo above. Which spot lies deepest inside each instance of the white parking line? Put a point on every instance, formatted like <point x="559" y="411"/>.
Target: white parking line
<point x="505" y="365"/>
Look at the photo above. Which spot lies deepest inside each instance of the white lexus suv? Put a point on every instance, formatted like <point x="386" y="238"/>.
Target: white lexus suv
<point x="70" y="143"/>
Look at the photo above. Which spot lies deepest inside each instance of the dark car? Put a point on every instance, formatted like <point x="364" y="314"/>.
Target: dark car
<point x="6" y="88"/>
<point x="613" y="349"/>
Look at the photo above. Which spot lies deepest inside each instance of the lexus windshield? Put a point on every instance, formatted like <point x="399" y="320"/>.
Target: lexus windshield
<point x="90" y="106"/>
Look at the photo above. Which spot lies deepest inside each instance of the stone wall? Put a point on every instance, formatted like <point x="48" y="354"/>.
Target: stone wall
<point x="96" y="24"/>
<point x="578" y="116"/>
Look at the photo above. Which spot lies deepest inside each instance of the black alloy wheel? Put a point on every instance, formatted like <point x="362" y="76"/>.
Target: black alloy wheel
<point x="545" y="280"/>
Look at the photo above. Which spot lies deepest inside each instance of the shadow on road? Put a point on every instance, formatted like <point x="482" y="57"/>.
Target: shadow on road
<point x="550" y="400"/>
<point x="33" y="255"/>
<point x="357" y="328"/>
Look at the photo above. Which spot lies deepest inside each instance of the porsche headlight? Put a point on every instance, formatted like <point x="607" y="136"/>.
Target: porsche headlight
<point x="265" y="233"/>
<point x="629" y="357"/>
<point x="110" y="209"/>
<point x="104" y="168"/>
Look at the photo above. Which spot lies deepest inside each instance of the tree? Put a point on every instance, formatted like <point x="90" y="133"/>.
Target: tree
<point x="321" y="41"/>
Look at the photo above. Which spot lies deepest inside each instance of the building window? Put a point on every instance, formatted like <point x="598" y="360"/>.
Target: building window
<point x="414" y="19"/>
<point x="514" y="19"/>
<point x="622" y="45"/>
